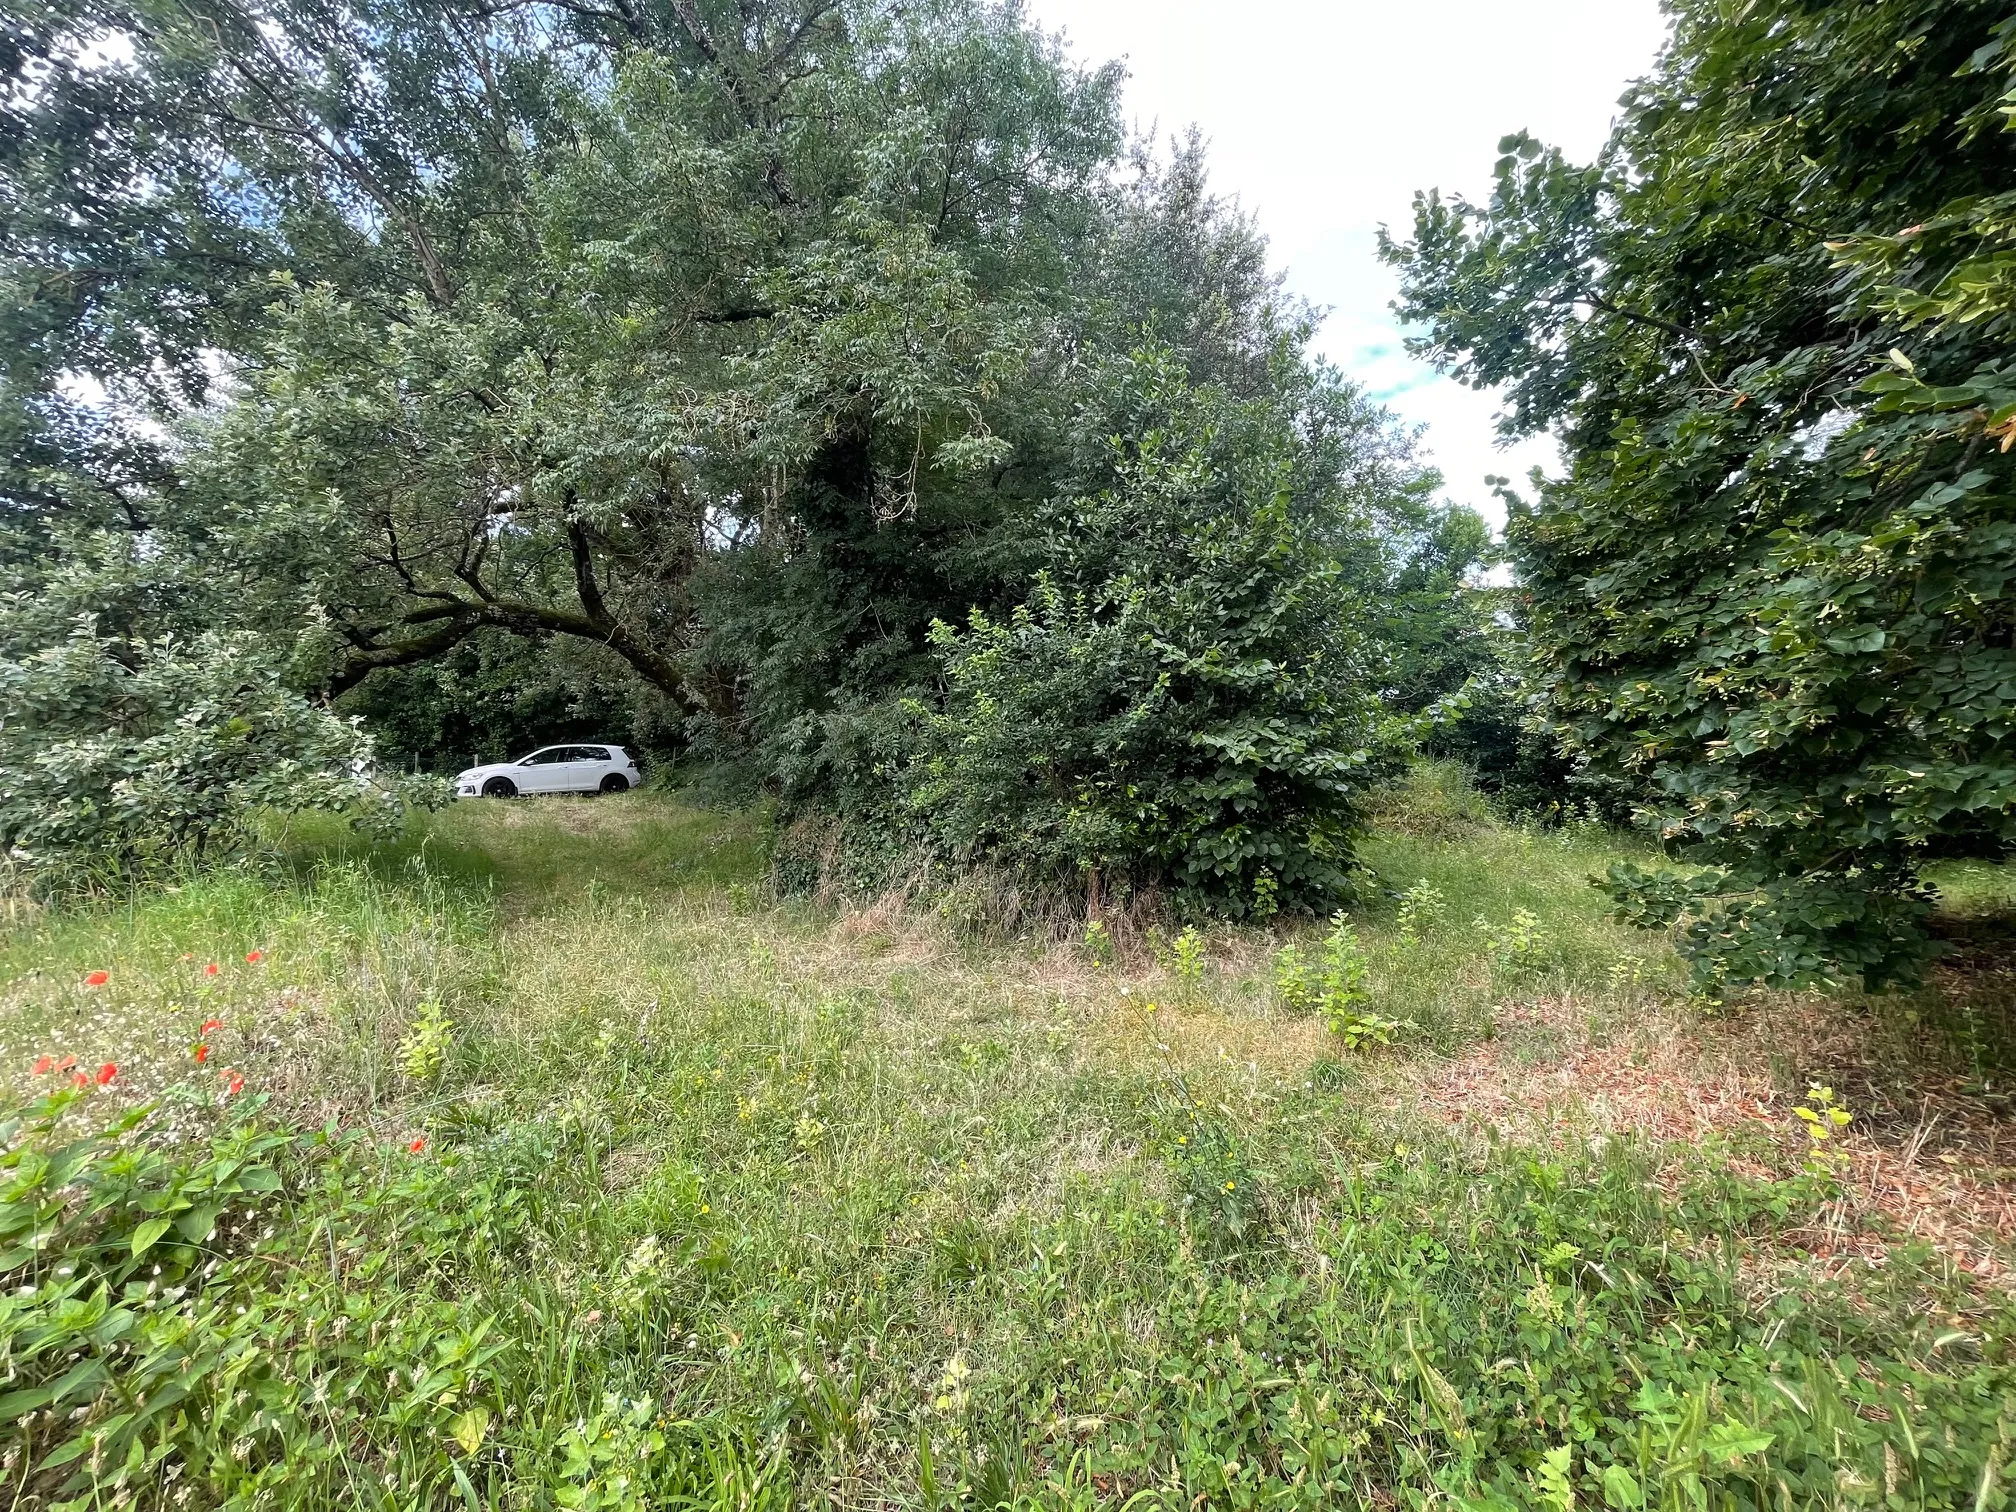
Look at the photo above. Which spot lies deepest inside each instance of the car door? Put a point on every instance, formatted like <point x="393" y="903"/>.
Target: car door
<point x="593" y="764"/>
<point x="544" y="771"/>
<point x="578" y="771"/>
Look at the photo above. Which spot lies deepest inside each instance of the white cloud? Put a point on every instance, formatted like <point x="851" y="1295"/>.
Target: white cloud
<point x="1326" y="117"/>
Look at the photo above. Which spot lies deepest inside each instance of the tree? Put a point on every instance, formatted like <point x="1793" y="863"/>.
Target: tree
<point x="476" y="389"/>
<point x="1770" y="326"/>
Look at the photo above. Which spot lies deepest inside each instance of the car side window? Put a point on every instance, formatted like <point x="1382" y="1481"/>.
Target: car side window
<point x="591" y="753"/>
<point x="545" y="758"/>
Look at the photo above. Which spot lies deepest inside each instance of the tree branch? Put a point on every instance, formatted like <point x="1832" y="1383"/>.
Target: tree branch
<point x="455" y="622"/>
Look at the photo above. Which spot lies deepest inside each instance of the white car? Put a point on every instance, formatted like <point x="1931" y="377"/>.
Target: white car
<point x="553" y="769"/>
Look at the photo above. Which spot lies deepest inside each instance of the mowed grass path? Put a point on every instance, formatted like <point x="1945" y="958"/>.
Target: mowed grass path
<point x="721" y="1199"/>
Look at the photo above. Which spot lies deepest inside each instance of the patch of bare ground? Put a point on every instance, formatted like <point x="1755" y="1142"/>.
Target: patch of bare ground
<point x="1926" y="1158"/>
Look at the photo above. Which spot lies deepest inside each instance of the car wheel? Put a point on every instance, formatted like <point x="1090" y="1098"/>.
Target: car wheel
<point x="500" y="787"/>
<point x="615" y="782"/>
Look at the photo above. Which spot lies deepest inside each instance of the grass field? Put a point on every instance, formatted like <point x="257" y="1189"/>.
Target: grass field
<point x="572" y="1168"/>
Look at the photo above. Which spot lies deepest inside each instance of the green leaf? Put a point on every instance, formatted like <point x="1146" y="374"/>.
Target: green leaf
<point x="1729" y="1440"/>
<point x="197" y="1224"/>
<point x="145" y="1235"/>
<point x="1621" y="1488"/>
<point x="469" y="1427"/>
<point x="20" y="1403"/>
<point x="84" y="1373"/>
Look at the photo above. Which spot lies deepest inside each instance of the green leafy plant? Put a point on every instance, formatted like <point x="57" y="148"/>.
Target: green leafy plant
<point x="1097" y="941"/>
<point x="1186" y="958"/>
<point x="97" y="1201"/>
<point x="1294" y="982"/>
<point x="1359" y="1027"/>
<point x="423" y="1050"/>
<point x="128" y="759"/>
<point x="1824" y="1119"/>
<point x="1519" y="949"/>
<point x="1423" y="910"/>
<point x="1336" y="986"/>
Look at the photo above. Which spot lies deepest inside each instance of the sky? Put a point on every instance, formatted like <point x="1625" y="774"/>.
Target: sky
<point x="1324" y="117"/>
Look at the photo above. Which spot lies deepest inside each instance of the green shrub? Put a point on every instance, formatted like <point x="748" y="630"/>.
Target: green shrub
<point x="1519" y="949"/>
<point x="119" y="758"/>
<point x="1185" y="700"/>
<point x="1423" y="910"/>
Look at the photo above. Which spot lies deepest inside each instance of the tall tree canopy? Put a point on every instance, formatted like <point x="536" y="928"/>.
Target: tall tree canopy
<point x="1771" y="325"/>
<point x="522" y="301"/>
<point x="738" y="343"/>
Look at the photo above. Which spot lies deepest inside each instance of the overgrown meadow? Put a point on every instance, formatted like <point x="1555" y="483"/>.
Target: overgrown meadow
<point x="549" y="1159"/>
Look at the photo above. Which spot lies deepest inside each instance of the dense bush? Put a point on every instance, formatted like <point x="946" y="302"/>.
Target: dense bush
<point x="1513" y="753"/>
<point x="119" y="758"/>
<point x="1771" y="326"/>
<point x="1187" y="699"/>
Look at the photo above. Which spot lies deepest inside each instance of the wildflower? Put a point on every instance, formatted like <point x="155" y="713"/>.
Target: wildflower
<point x="106" y="1072"/>
<point x="209" y="1024"/>
<point x="44" y="1064"/>
<point x="98" y="979"/>
<point x="211" y="969"/>
<point x="233" y="1082"/>
<point x="80" y="1080"/>
<point x="66" y="1063"/>
<point x="202" y="1053"/>
<point x="418" y="1145"/>
<point x="255" y="956"/>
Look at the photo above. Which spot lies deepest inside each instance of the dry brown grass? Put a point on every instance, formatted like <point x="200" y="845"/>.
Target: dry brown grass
<point x="1921" y="1161"/>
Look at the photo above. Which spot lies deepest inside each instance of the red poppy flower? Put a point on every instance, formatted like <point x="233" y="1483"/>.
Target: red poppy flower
<point x="255" y="956"/>
<point x="106" y="1072"/>
<point x="234" y="1086"/>
<point x="98" y="979"/>
<point x="202" y="1054"/>
<point x="209" y="1024"/>
<point x="418" y="1145"/>
<point x="44" y="1064"/>
<point x="80" y="1080"/>
<point x="211" y="969"/>
<point x="66" y="1063"/>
